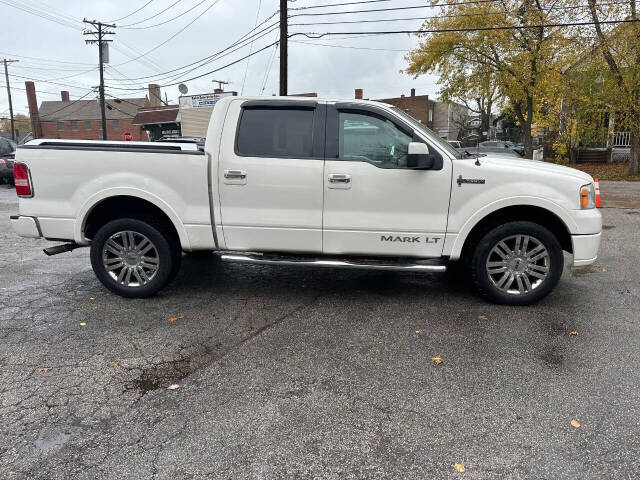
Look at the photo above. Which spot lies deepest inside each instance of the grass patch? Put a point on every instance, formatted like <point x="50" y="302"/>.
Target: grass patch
<point x="606" y="171"/>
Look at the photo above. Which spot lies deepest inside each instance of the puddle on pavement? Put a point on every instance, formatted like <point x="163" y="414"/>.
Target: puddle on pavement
<point x="587" y="270"/>
<point x="556" y="328"/>
<point x="607" y="227"/>
<point x="162" y="375"/>
<point x="552" y="357"/>
<point x="52" y="438"/>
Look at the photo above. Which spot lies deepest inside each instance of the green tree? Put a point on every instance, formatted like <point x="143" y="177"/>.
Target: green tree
<point x="505" y="41"/>
<point x="22" y="124"/>
<point x="619" y="48"/>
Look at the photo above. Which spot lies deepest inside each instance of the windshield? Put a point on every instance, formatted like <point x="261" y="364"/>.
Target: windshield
<point x="430" y="134"/>
<point x="14" y="145"/>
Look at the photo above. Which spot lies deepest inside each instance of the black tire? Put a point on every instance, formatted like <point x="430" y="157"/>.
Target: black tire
<point x="168" y="255"/>
<point x="483" y="280"/>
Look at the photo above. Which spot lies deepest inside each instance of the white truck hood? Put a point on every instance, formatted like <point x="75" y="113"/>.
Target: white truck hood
<point x="522" y="165"/>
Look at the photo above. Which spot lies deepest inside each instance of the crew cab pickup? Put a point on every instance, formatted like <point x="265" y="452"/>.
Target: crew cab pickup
<point x="309" y="182"/>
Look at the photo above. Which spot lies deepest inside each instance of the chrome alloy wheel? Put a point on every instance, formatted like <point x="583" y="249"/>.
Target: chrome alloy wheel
<point x="130" y="258"/>
<point x="518" y="264"/>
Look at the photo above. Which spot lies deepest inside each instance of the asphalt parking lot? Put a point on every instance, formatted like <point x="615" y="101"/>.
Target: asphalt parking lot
<point x="292" y="373"/>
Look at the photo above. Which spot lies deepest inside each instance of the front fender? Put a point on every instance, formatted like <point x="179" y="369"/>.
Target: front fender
<point x="455" y="240"/>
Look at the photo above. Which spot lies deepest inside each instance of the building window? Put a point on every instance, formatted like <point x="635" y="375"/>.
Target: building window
<point x="87" y="124"/>
<point x="430" y="115"/>
<point x="115" y="123"/>
<point x="61" y="126"/>
<point x="74" y="125"/>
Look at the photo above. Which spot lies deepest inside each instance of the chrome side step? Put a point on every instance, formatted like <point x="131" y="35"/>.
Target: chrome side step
<point x="389" y="265"/>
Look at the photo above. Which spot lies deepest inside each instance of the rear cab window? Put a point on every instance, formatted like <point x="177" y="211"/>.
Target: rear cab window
<point x="277" y="131"/>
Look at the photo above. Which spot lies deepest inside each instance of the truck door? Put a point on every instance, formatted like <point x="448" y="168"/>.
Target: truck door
<point x="373" y="204"/>
<point x="270" y="175"/>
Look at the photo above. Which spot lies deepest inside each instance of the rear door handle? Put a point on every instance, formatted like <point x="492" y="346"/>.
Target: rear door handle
<point x="235" y="177"/>
<point x="339" y="180"/>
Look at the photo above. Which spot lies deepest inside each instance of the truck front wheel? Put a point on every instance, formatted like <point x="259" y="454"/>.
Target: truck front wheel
<point x="133" y="257"/>
<point x="517" y="263"/>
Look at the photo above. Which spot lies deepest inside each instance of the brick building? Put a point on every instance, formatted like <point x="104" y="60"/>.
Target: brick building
<point x="81" y="119"/>
<point x="447" y="119"/>
<point x="418" y="106"/>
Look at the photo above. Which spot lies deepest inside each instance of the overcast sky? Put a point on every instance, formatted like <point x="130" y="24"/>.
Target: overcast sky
<point x="51" y="50"/>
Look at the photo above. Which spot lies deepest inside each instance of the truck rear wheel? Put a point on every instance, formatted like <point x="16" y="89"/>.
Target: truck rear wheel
<point x="134" y="257"/>
<point x="517" y="263"/>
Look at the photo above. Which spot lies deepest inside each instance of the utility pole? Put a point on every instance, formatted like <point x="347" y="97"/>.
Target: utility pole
<point x="6" y="77"/>
<point x="283" y="47"/>
<point x="221" y="83"/>
<point x="99" y="30"/>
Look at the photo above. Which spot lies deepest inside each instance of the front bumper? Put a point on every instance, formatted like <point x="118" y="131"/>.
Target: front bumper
<point x="25" y="226"/>
<point x="585" y="249"/>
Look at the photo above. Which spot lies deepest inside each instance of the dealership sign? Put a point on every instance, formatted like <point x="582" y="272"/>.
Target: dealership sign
<point x="204" y="100"/>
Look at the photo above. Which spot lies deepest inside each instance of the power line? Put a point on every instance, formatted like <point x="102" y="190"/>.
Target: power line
<point x="315" y="35"/>
<point x="209" y="72"/>
<point x="42" y="14"/>
<point x="174" y="35"/>
<point x="152" y="16"/>
<point x="393" y="9"/>
<point x="216" y="55"/>
<point x="268" y="71"/>
<point x="66" y="106"/>
<point x="44" y="59"/>
<point x="350" y="47"/>
<point x="165" y="22"/>
<point x="338" y="4"/>
<point x="132" y="13"/>
<point x="246" y="69"/>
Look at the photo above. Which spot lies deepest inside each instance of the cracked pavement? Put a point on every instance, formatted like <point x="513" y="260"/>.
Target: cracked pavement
<point x="293" y="373"/>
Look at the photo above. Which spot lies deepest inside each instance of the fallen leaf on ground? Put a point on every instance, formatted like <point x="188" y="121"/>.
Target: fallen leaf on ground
<point x="574" y="332"/>
<point x="459" y="467"/>
<point x="176" y="318"/>
<point x="83" y="324"/>
<point x="43" y="369"/>
<point x="175" y="386"/>
<point x="575" y="423"/>
<point x="113" y="364"/>
<point x="482" y="317"/>
<point x="418" y="331"/>
<point x="436" y="360"/>
<point x="91" y="298"/>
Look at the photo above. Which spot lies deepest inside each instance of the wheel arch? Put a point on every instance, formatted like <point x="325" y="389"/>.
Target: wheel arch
<point x="532" y="213"/>
<point x="118" y="203"/>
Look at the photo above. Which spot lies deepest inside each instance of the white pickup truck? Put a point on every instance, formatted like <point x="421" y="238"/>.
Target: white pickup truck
<point x="307" y="182"/>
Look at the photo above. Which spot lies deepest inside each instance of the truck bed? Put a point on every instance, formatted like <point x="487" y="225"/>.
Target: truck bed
<point x="70" y="177"/>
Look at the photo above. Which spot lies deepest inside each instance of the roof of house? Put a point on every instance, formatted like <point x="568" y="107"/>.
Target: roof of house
<point x="156" y="115"/>
<point x="117" y="109"/>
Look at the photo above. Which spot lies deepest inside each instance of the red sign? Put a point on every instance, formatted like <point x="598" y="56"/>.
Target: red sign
<point x="128" y="137"/>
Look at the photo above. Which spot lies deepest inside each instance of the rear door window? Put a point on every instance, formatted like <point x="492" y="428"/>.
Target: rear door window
<point x="275" y="132"/>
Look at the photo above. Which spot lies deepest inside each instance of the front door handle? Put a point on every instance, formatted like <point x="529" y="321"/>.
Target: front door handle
<point x="235" y="177"/>
<point x="339" y="180"/>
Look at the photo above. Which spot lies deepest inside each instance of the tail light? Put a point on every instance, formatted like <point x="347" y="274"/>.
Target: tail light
<point x="22" y="180"/>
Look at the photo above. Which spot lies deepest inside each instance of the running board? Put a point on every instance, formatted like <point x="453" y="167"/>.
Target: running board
<point x="332" y="263"/>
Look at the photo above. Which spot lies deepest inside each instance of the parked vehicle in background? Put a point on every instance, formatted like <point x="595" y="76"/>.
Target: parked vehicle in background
<point x="195" y="140"/>
<point x="7" y="154"/>
<point x="309" y="183"/>
<point x="519" y="148"/>
<point x="455" y="144"/>
<point x="496" y="146"/>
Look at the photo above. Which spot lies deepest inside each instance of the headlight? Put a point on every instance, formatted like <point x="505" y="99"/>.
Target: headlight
<point x="588" y="196"/>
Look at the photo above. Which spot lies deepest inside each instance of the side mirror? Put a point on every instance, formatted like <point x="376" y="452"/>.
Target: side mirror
<point x="418" y="157"/>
